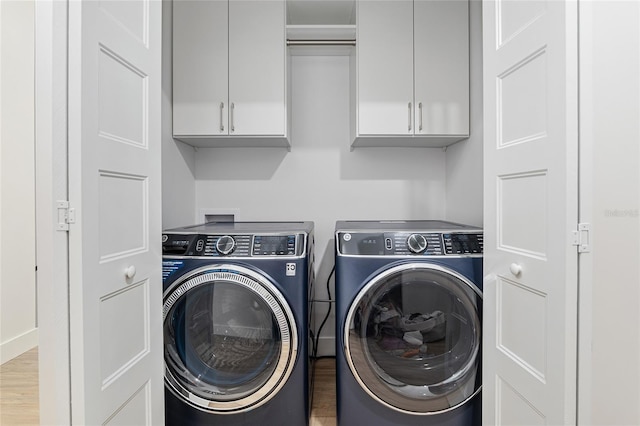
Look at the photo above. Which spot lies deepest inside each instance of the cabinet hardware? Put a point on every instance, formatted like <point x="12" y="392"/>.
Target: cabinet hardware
<point x="221" y="116"/>
<point x="420" y="115"/>
<point x="409" y="116"/>
<point x="233" y="127"/>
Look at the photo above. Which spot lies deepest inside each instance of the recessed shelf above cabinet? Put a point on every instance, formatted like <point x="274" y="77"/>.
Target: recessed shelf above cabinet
<point x="321" y="27"/>
<point x="321" y="12"/>
<point x="322" y="40"/>
<point x="321" y="32"/>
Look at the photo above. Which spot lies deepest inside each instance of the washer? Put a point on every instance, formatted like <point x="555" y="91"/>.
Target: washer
<point x="235" y="314"/>
<point x="408" y="323"/>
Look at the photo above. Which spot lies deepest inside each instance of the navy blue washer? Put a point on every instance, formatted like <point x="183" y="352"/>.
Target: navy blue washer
<point x="236" y="306"/>
<point x="393" y="366"/>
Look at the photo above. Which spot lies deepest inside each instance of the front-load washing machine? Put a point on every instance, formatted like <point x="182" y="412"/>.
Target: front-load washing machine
<point x="236" y="323"/>
<point x="408" y="323"/>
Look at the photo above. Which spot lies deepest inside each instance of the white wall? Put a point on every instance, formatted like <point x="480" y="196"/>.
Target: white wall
<point x="464" y="159"/>
<point x="321" y="179"/>
<point x="609" y="327"/>
<point x="178" y="159"/>
<point x="18" y="331"/>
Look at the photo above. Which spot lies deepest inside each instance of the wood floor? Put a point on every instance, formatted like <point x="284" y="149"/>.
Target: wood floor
<point x="19" y="403"/>
<point x="19" y="391"/>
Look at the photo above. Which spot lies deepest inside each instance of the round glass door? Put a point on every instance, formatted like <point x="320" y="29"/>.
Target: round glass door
<point x="413" y="338"/>
<point x="230" y="340"/>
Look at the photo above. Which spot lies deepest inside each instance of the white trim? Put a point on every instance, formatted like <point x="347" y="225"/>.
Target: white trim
<point x="18" y="345"/>
<point x="51" y="184"/>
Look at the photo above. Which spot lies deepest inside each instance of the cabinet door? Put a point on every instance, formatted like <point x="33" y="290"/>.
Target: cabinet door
<point x="200" y="67"/>
<point x="257" y="67"/>
<point x="385" y="67"/>
<point x="441" y="67"/>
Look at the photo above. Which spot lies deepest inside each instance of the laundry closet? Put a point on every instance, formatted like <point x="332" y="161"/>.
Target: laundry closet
<point x="323" y="171"/>
<point x="555" y="74"/>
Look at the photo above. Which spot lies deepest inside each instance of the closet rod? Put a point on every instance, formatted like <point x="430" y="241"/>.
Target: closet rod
<point x="321" y="42"/>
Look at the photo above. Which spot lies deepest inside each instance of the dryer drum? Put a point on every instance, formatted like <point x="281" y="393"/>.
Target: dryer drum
<point x="413" y="338"/>
<point x="230" y="339"/>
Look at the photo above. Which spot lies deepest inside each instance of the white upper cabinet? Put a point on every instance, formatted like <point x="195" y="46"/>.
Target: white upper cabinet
<point x="229" y="73"/>
<point x="411" y="73"/>
<point x="441" y="63"/>
<point x="200" y="68"/>
<point x="385" y="67"/>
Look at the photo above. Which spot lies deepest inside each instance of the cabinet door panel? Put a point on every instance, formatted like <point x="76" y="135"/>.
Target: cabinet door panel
<point x="200" y="67"/>
<point x="257" y="67"/>
<point x="441" y="67"/>
<point x="385" y="67"/>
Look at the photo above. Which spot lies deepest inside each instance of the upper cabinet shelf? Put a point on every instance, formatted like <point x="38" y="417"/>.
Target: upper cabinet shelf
<point x="321" y="12"/>
<point x="321" y="27"/>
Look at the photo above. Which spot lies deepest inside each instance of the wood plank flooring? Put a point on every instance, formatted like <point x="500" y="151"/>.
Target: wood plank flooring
<point x="323" y="410"/>
<point x="19" y="403"/>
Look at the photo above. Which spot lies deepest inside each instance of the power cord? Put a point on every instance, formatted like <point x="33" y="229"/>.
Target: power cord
<point x="326" y="317"/>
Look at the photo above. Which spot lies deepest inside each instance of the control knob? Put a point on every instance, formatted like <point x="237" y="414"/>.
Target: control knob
<point x="417" y="243"/>
<point x="225" y="245"/>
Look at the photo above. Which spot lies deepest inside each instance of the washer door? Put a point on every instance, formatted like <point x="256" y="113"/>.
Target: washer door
<point x="230" y="340"/>
<point x="412" y="338"/>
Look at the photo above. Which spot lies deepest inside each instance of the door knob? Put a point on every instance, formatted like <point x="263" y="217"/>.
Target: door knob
<point x="130" y="272"/>
<point x="515" y="269"/>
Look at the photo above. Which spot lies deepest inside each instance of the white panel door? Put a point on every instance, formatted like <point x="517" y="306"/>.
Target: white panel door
<point x="257" y="63"/>
<point x="385" y="67"/>
<point x="200" y="68"/>
<point x="530" y="189"/>
<point x="114" y="186"/>
<point x="441" y="57"/>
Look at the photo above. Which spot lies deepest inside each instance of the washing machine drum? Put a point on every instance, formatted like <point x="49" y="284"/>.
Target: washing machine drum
<point x="412" y="338"/>
<point x="230" y="339"/>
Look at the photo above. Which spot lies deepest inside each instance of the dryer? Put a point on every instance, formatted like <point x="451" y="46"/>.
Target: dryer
<point x="408" y="323"/>
<point x="235" y="314"/>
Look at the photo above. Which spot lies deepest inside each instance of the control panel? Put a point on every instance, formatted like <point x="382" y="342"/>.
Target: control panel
<point x="409" y="243"/>
<point x="242" y="245"/>
<point x="463" y="243"/>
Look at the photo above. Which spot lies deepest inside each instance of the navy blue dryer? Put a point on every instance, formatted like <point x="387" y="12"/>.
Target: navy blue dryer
<point x="408" y="323"/>
<point x="236" y="323"/>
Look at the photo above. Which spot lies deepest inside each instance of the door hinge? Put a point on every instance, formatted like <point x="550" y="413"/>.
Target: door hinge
<point x="582" y="238"/>
<point x="66" y="215"/>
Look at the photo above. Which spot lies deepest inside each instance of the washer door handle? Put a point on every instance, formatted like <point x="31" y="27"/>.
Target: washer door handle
<point x="130" y="272"/>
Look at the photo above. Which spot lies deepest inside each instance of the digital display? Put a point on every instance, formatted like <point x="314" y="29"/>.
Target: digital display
<point x="273" y="245"/>
<point x="463" y="243"/>
<point x="371" y="245"/>
<point x="177" y="246"/>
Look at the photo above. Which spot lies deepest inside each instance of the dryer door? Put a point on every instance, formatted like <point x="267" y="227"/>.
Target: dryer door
<point x="413" y="338"/>
<point x="230" y="339"/>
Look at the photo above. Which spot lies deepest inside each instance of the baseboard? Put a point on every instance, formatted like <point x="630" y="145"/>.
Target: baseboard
<point x="18" y="345"/>
<point x="326" y="346"/>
